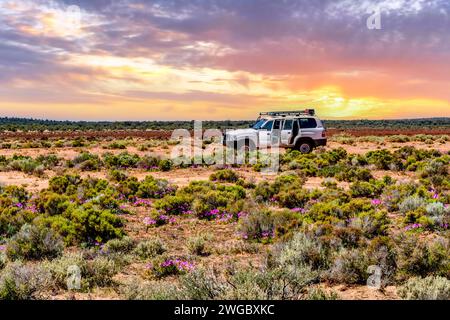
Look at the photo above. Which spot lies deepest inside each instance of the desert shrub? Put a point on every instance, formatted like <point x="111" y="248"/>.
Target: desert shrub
<point x="13" y="218"/>
<point x="156" y="290"/>
<point x="372" y="223"/>
<point x="236" y="247"/>
<point x="98" y="271"/>
<point x="225" y="175"/>
<point x="149" y="249"/>
<point x="91" y="225"/>
<point x="87" y="162"/>
<point x="276" y="283"/>
<point x="258" y="225"/>
<point x="116" y="145"/>
<point x="349" y="237"/>
<point x="437" y="213"/>
<point x="117" y="175"/>
<point x="85" y="225"/>
<point x="23" y="282"/>
<point x="121" y="161"/>
<point x="398" y="138"/>
<point x="34" y="243"/>
<point x="164" y="266"/>
<point x="435" y="209"/>
<point x="335" y="210"/>
<point x="429" y="288"/>
<point x="148" y="162"/>
<point x="174" y="205"/>
<point x="265" y="191"/>
<point x="26" y="165"/>
<point x="61" y="184"/>
<point x="329" y="183"/>
<point x="320" y="294"/>
<point x="128" y="187"/>
<point x="2" y="257"/>
<point x="383" y="160"/>
<point x="120" y="246"/>
<point x="349" y="266"/>
<point x="411" y="203"/>
<point x="202" y="285"/>
<point x="209" y="204"/>
<point x="154" y="188"/>
<point x="198" y="245"/>
<point x="381" y="252"/>
<point x="349" y="173"/>
<point x="363" y="189"/>
<point x="393" y="195"/>
<point x="165" y="165"/>
<point x="293" y="197"/>
<point x="299" y="251"/>
<point x="77" y="143"/>
<point x="52" y="203"/>
<point x="434" y="167"/>
<point x="418" y="257"/>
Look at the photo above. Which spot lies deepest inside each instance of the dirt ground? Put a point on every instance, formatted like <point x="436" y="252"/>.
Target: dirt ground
<point x="182" y="177"/>
<point x="224" y="235"/>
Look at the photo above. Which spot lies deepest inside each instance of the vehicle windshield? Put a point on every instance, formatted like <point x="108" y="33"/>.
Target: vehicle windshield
<point x="259" y="124"/>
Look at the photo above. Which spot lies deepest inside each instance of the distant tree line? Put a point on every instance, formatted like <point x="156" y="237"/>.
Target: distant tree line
<point x="22" y="124"/>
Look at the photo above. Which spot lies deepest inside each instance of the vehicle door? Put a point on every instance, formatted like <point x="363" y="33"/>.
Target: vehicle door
<point x="275" y="137"/>
<point x="265" y="134"/>
<point x="286" y="132"/>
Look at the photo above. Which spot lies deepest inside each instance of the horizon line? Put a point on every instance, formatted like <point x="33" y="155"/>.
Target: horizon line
<point x="210" y="120"/>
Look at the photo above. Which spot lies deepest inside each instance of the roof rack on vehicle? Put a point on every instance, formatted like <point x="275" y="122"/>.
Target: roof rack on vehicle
<point x="309" y="112"/>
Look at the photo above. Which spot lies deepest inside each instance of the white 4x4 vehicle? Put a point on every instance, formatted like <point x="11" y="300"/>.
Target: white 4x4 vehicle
<point x="300" y="130"/>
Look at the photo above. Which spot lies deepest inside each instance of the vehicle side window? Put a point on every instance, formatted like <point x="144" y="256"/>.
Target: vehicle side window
<point x="287" y="125"/>
<point x="277" y="125"/>
<point x="306" y="123"/>
<point x="267" y="126"/>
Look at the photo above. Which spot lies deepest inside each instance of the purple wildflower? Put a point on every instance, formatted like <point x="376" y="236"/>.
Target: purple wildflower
<point x="376" y="202"/>
<point x="149" y="221"/>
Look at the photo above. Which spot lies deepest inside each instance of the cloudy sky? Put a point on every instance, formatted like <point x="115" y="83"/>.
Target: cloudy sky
<point x="223" y="59"/>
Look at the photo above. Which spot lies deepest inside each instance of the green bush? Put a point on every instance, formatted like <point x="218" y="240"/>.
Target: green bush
<point x="301" y="250"/>
<point x="174" y="205"/>
<point x="156" y="290"/>
<point x="149" y="249"/>
<point x="225" y="175"/>
<point x="418" y="257"/>
<point x="23" y="282"/>
<point x="120" y="246"/>
<point x="96" y="272"/>
<point x="197" y="245"/>
<point x="13" y="218"/>
<point x="258" y="225"/>
<point x="121" y="161"/>
<point x="165" y="165"/>
<point x="87" y="161"/>
<point x="163" y="266"/>
<point x="202" y="285"/>
<point x="429" y="288"/>
<point x="34" y="243"/>
<point x="350" y="267"/>
<point x="154" y="188"/>
<point x="91" y="225"/>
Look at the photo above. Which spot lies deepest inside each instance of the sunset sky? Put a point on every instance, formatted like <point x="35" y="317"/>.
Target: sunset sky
<point x="223" y="59"/>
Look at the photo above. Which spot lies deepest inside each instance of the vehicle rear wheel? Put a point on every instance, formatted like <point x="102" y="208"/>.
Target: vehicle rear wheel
<point x="304" y="147"/>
